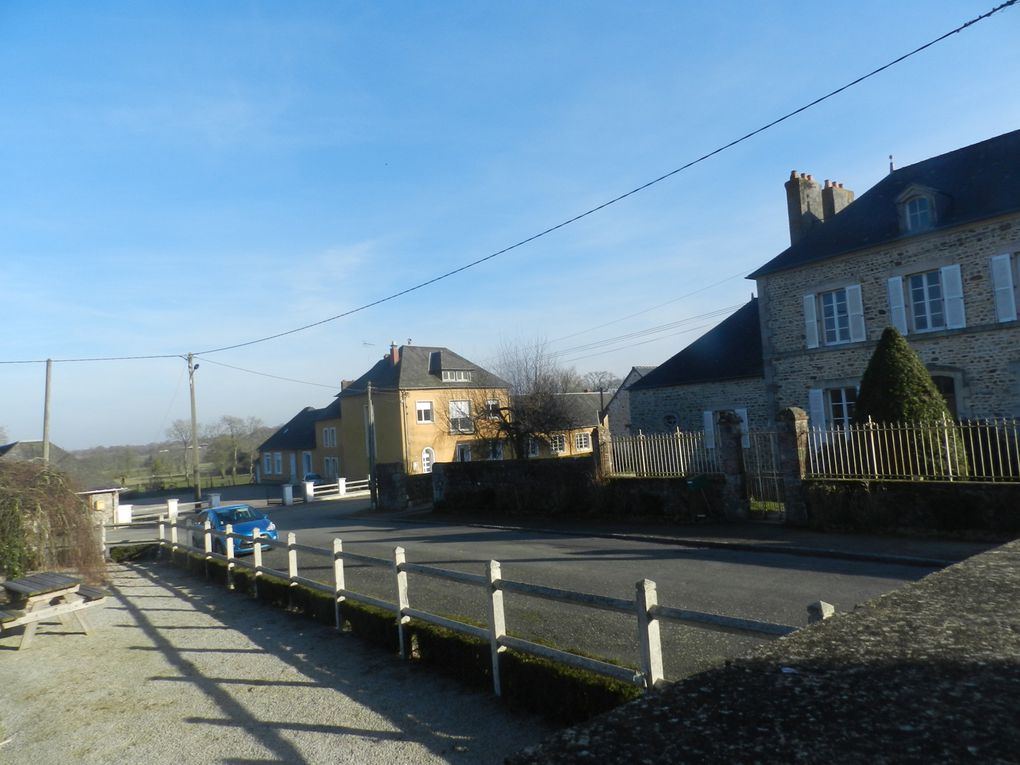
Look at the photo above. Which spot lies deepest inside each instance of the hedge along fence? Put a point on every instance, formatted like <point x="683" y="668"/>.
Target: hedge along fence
<point x="514" y="666"/>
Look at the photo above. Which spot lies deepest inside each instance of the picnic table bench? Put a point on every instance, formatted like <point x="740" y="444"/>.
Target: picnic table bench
<point x="44" y="596"/>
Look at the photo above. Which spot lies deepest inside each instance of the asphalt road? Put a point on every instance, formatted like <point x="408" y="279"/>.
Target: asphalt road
<point x="767" y="586"/>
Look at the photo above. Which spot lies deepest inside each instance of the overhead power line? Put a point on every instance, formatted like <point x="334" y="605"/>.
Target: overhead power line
<point x="627" y="194"/>
<point x="266" y="374"/>
<point x="571" y="220"/>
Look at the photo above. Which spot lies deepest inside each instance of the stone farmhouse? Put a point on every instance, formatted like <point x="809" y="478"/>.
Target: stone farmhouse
<point x="931" y="250"/>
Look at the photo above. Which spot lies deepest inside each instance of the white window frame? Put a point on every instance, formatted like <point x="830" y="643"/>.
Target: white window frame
<point x="492" y="407"/>
<point x="267" y="463"/>
<point x="460" y="416"/>
<point x="428" y="459"/>
<point x="423" y="412"/>
<point x="919" y="219"/>
<point x="278" y="463"/>
<point x="815" y="330"/>
<point x="456" y="375"/>
<point x="533" y="447"/>
<point x="558" y="443"/>
<point x="901" y="300"/>
<point x="846" y="419"/>
<point x="463" y="452"/>
<point x="307" y="464"/>
<point x="329" y="437"/>
<point x="1003" y="289"/>
<point x="582" y="442"/>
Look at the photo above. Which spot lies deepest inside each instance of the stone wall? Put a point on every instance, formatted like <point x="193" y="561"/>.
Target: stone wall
<point x="648" y="408"/>
<point x="914" y="506"/>
<point x="984" y="358"/>
<point x="533" y="487"/>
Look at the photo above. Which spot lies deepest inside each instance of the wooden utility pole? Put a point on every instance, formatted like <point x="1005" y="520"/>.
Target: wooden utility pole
<point x="192" y="366"/>
<point x="373" y="490"/>
<point x="46" y="415"/>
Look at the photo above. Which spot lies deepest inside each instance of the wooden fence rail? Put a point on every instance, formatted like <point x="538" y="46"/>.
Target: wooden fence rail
<point x="644" y="606"/>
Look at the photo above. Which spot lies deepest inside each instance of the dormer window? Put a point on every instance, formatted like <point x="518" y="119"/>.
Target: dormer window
<point x="919" y="214"/>
<point x="920" y="208"/>
<point x="456" y="375"/>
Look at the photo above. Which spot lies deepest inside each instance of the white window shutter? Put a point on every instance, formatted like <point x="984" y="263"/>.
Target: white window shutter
<point x="745" y="439"/>
<point x="816" y="409"/>
<point x="1002" y="283"/>
<point x="952" y="288"/>
<point x="897" y="310"/>
<point x="855" y="307"/>
<point x="709" y="420"/>
<point x="810" y="321"/>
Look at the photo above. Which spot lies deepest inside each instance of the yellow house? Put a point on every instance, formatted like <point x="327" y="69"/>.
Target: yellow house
<point x="582" y="413"/>
<point x="429" y="406"/>
<point x="308" y="443"/>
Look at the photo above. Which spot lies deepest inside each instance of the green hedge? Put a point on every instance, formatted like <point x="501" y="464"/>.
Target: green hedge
<point x="529" y="683"/>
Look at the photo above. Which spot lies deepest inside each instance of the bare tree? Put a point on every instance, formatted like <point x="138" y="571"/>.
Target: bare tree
<point x="601" y="380"/>
<point x="180" y="432"/>
<point x="535" y="409"/>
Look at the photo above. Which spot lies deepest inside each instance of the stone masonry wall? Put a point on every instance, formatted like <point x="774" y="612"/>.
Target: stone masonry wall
<point x="984" y="357"/>
<point x="688" y="402"/>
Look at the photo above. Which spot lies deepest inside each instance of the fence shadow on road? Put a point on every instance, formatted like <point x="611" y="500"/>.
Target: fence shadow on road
<point x="327" y="661"/>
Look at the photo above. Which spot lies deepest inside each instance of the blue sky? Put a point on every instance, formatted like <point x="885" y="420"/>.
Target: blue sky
<point x="181" y="177"/>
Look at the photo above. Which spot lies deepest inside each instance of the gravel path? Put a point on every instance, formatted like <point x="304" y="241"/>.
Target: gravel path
<point x="181" y="671"/>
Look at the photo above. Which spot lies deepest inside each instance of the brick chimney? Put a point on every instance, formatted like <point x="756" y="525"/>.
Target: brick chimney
<point x="835" y="198"/>
<point x="804" y="204"/>
<point x="394" y="353"/>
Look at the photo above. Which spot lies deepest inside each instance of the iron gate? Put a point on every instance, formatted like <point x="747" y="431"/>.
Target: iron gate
<point x="764" y="481"/>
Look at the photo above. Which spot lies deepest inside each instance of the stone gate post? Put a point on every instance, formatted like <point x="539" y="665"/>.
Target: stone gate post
<point x="793" y="446"/>
<point x="731" y="459"/>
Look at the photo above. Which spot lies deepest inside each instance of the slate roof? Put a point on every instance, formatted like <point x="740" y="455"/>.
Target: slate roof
<point x="420" y="367"/>
<point x="981" y="181"/>
<point x="582" y="409"/>
<point x="729" y="351"/>
<point x="299" y="433"/>
<point x="60" y="459"/>
<point x="635" y="374"/>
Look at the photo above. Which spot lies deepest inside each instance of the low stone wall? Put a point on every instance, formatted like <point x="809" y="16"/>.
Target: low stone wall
<point x="419" y="489"/>
<point x="674" y="498"/>
<point x="517" y="487"/>
<point x="913" y="505"/>
<point x="391" y="485"/>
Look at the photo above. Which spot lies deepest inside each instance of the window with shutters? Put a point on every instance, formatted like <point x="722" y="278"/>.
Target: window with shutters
<point x="841" y="403"/>
<point x="834" y="317"/>
<point x="927" y="301"/>
<point x="919" y="214"/>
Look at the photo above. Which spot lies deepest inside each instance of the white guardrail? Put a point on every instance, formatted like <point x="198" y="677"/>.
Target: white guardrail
<point x="644" y="606"/>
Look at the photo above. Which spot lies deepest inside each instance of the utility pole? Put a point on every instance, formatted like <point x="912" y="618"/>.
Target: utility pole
<point x="46" y="415"/>
<point x="192" y="366"/>
<point x="371" y="450"/>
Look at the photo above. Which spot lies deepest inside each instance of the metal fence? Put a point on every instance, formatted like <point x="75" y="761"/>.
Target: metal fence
<point x="977" y="450"/>
<point x="663" y="455"/>
<point x="491" y="585"/>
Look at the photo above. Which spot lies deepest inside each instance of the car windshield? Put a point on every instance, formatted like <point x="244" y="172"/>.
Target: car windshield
<point x="239" y="515"/>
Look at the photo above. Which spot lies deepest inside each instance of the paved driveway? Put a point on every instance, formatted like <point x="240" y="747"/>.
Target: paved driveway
<point x="181" y="672"/>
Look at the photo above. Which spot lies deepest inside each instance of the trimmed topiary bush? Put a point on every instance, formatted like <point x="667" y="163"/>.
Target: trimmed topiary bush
<point x="896" y="386"/>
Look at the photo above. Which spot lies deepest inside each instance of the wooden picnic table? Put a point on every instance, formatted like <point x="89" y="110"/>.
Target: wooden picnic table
<point x="45" y="595"/>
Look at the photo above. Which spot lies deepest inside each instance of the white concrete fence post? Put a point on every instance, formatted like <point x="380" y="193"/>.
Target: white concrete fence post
<point x="309" y="491"/>
<point x="341" y="486"/>
<point x="399" y="558"/>
<point x="819" y="611"/>
<point x="171" y="509"/>
<point x="288" y="494"/>
<point x="173" y="536"/>
<point x="497" y="623"/>
<point x="230" y="557"/>
<point x="214" y="500"/>
<point x="338" y="581"/>
<point x="648" y="633"/>
<point x="257" y="552"/>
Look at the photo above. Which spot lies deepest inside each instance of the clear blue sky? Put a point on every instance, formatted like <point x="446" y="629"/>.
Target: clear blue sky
<point x="179" y="177"/>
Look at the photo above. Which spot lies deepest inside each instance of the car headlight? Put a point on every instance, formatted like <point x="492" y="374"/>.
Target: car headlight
<point x="271" y="526"/>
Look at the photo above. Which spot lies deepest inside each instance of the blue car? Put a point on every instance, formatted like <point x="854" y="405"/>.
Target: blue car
<point x="244" y="519"/>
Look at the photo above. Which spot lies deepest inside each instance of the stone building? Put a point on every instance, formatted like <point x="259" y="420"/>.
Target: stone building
<point x="932" y="250"/>
<point x="618" y="409"/>
<point x="720" y="370"/>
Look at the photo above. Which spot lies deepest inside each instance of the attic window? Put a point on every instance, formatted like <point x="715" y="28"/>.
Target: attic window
<point x="456" y="375"/>
<point x="919" y="214"/>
